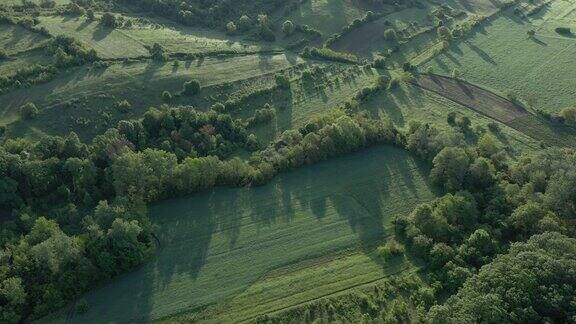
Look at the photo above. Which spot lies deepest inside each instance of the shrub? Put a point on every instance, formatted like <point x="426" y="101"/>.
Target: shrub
<point x="288" y="28"/>
<point x="28" y="111"/>
<point x="282" y="81"/>
<point x="531" y="33"/>
<point x="108" y="20"/>
<point x="391" y="249"/>
<point x="123" y="106"/>
<point x="3" y="55"/>
<point x="231" y="28"/>
<point x="569" y="115"/>
<point x="191" y="88"/>
<point x="82" y="306"/>
<point x="451" y="119"/>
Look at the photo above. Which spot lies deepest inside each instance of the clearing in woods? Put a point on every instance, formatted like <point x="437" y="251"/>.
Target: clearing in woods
<point x="221" y="248"/>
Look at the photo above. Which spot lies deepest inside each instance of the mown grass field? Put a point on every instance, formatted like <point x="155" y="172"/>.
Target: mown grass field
<point x="82" y="99"/>
<point x="231" y="248"/>
<point x="502" y="57"/>
<point x="132" y="42"/>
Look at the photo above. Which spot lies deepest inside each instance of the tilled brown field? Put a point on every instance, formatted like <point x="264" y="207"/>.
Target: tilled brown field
<point x="478" y="99"/>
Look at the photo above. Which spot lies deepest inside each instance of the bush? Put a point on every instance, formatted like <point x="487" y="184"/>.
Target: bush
<point x="191" y="88"/>
<point x="231" y="28"/>
<point x="28" y="111"/>
<point x="3" y="55"/>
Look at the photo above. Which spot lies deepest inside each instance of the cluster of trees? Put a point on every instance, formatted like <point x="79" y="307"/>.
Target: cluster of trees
<point x="489" y="205"/>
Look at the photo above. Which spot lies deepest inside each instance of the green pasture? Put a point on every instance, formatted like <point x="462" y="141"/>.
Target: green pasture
<point x="501" y="56"/>
<point x="82" y="99"/>
<point x="221" y="247"/>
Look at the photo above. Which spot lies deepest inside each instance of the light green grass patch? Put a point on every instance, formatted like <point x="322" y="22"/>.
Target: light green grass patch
<point x="504" y="59"/>
<point x="217" y="246"/>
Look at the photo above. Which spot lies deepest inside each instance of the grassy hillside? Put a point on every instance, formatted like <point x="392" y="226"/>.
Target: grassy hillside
<point x="222" y="247"/>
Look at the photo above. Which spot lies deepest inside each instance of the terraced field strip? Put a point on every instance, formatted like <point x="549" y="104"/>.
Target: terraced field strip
<point x="502" y="58"/>
<point x="498" y="108"/>
<point x="219" y="247"/>
<point x="141" y="83"/>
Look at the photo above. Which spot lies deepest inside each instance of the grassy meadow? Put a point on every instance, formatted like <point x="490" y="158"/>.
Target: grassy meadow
<point x="503" y="58"/>
<point x="308" y="228"/>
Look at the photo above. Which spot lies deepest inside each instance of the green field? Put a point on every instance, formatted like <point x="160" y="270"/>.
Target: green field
<point x="141" y="83"/>
<point x="228" y="247"/>
<point x="503" y="58"/>
<point x="132" y="42"/>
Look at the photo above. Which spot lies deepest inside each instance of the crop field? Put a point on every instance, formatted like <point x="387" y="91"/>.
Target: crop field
<point x="133" y="42"/>
<point x="503" y="58"/>
<point x="226" y="247"/>
<point x="141" y="83"/>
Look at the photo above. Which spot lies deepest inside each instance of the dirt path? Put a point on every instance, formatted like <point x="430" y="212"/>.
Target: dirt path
<point x="478" y="99"/>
